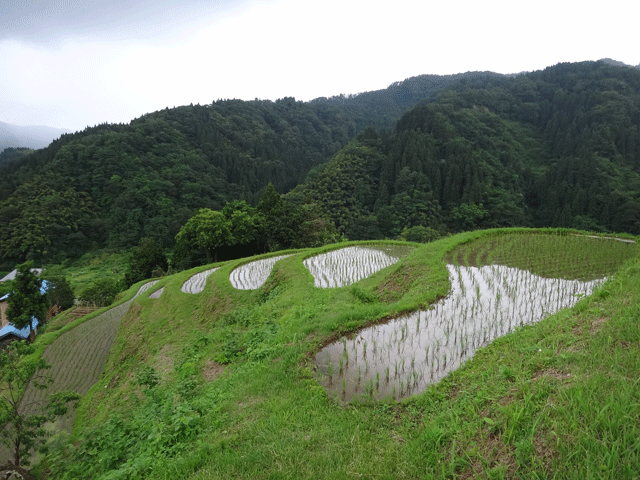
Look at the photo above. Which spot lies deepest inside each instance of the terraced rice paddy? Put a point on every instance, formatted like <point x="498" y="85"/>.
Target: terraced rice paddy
<point x="146" y="287"/>
<point x="345" y="266"/>
<point x="157" y="294"/>
<point x="402" y="357"/>
<point x="197" y="282"/>
<point x="252" y="276"/>
<point x="78" y="356"/>
<point x="551" y="256"/>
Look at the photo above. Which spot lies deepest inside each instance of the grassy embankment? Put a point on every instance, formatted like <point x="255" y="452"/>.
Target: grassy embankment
<point x="237" y="397"/>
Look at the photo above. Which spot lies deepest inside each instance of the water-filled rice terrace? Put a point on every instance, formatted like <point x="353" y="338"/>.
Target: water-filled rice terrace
<point x="252" y="275"/>
<point x="498" y="283"/>
<point x="196" y="283"/>
<point x="346" y="266"/>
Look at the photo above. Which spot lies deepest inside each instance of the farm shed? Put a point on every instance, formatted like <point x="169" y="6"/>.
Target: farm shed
<point x="12" y="275"/>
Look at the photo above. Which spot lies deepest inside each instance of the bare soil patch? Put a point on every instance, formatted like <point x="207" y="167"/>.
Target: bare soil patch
<point x="551" y="373"/>
<point x="212" y="370"/>
<point x="598" y="324"/>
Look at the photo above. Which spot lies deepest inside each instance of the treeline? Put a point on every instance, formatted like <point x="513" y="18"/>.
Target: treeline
<point x="240" y="230"/>
<point x="555" y="148"/>
<point x="380" y="109"/>
<point x="119" y="183"/>
<point x="146" y="179"/>
<point x="558" y="147"/>
<point x="9" y="154"/>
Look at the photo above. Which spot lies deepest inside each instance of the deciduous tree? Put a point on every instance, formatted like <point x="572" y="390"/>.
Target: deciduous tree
<point x="145" y="259"/>
<point x="24" y="421"/>
<point x="26" y="303"/>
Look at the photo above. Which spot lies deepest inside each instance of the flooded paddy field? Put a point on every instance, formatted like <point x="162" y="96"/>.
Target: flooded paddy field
<point x="197" y="282"/>
<point x="252" y="276"/>
<point x="403" y="356"/>
<point x="345" y="266"/>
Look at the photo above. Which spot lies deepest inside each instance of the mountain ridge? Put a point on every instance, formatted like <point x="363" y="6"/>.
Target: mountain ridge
<point x="556" y="147"/>
<point x="28" y="136"/>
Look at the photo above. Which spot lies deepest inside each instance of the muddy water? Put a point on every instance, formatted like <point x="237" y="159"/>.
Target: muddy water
<point x="402" y="357"/>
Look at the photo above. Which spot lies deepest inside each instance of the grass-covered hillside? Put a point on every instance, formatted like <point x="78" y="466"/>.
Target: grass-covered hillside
<point x="224" y="383"/>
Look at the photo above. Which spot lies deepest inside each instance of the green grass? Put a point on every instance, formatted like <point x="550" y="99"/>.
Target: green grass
<point x="569" y="255"/>
<point x="92" y="266"/>
<point x="237" y="396"/>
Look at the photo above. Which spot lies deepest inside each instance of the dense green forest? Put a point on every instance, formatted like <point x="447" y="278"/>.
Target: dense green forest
<point x="10" y="154"/>
<point x="121" y="183"/>
<point x="423" y="158"/>
<point x="146" y="179"/>
<point x="558" y="148"/>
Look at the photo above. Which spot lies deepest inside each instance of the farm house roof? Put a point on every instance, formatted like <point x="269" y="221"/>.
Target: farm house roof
<point x="12" y="275"/>
<point x="23" y="334"/>
<point x="44" y="286"/>
<point x="9" y="330"/>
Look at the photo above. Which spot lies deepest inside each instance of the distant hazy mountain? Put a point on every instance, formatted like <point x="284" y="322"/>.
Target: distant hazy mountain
<point x="616" y="63"/>
<point x="28" y="136"/>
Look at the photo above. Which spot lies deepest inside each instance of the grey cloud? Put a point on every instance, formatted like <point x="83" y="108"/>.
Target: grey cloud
<point x="45" y="21"/>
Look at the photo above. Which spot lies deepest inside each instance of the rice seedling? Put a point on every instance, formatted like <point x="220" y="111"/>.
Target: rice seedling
<point x="485" y="302"/>
<point x="78" y="356"/>
<point x="345" y="266"/>
<point x="197" y="282"/>
<point x="252" y="276"/>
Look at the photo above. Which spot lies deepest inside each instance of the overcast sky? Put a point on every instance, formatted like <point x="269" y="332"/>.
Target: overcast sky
<point x="74" y="63"/>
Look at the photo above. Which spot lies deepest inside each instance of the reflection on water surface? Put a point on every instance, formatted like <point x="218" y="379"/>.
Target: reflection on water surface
<point x="402" y="357"/>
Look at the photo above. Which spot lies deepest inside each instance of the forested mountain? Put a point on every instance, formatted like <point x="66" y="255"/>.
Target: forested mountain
<point x="559" y="147"/>
<point x="111" y="185"/>
<point x="31" y="136"/>
<point x="123" y="182"/>
<point x="10" y="154"/>
<point x="381" y="109"/>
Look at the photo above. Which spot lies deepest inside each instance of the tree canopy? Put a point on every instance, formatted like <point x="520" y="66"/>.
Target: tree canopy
<point x="556" y="147"/>
<point x="26" y="302"/>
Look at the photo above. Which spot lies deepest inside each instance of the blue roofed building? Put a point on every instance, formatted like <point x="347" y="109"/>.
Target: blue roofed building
<point x="8" y="332"/>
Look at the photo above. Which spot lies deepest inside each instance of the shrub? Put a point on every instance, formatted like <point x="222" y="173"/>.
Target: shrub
<point x="101" y="293"/>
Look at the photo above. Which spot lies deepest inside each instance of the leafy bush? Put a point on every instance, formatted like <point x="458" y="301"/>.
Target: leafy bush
<point x="60" y="292"/>
<point x="101" y="293"/>
<point x="145" y="261"/>
<point x="419" y="234"/>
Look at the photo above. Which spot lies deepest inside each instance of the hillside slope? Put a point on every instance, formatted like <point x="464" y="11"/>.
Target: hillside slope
<point x="558" y="147"/>
<point x="145" y="179"/>
<point x="221" y="384"/>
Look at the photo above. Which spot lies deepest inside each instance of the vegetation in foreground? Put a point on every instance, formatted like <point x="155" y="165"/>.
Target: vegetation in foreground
<point x="220" y="385"/>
